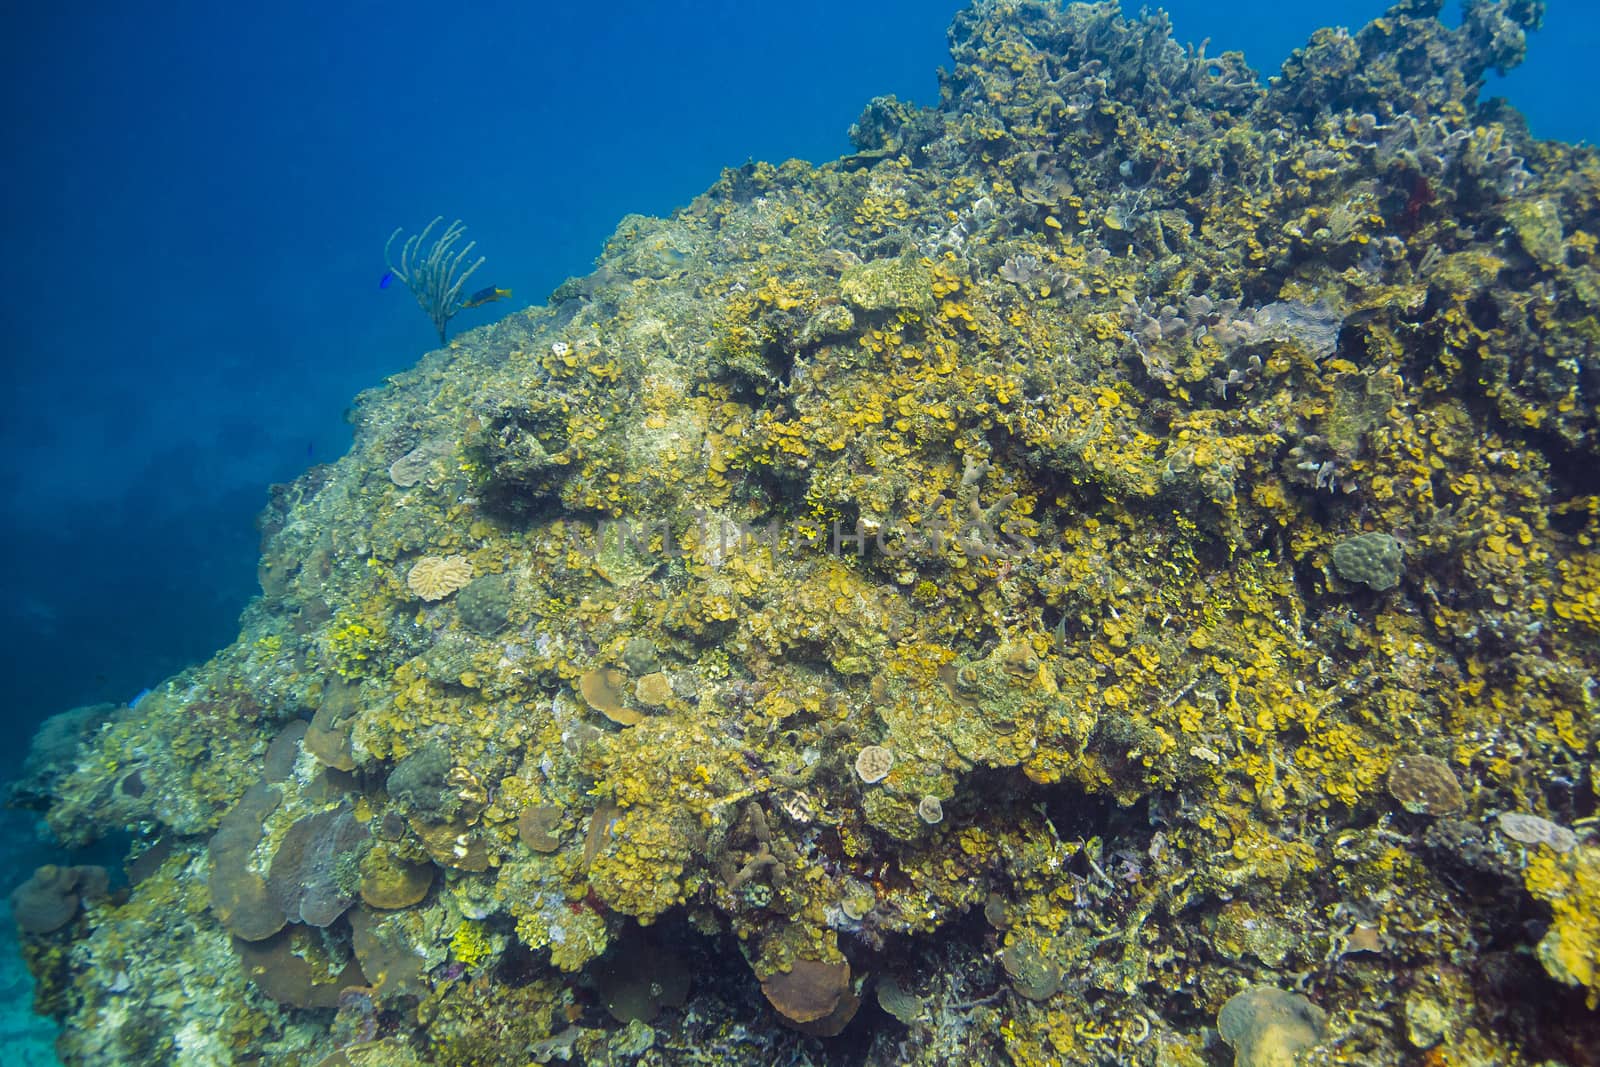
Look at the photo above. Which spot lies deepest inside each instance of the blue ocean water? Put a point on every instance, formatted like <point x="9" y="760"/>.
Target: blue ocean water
<point x="197" y="197"/>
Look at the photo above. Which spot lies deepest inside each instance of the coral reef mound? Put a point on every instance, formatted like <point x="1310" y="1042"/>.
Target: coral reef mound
<point x="1118" y="544"/>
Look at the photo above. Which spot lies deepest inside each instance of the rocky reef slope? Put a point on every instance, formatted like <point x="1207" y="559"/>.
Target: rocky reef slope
<point x="1103" y="574"/>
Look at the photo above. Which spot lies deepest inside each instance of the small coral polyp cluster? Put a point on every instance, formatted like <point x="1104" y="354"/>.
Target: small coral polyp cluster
<point x="1120" y="543"/>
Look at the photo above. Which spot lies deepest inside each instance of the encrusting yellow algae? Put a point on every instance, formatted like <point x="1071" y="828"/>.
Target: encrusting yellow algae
<point x="1118" y="544"/>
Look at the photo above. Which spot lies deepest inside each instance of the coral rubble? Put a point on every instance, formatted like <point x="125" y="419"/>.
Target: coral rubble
<point x="1110" y="560"/>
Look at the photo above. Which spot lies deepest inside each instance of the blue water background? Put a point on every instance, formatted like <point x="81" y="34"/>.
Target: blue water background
<point x="197" y="198"/>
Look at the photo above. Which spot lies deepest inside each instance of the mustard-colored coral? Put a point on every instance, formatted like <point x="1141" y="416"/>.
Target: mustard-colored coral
<point x="1570" y="884"/>
<point x="352" y="643"/>
<point x="470" y="945"/>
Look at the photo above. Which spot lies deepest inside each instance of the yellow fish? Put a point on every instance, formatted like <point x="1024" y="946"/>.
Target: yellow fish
<point x="485" y="296"/>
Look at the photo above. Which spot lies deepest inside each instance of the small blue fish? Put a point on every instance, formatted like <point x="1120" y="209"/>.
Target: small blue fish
<point x="383" y="282"/>
<point x="140" y="695"/>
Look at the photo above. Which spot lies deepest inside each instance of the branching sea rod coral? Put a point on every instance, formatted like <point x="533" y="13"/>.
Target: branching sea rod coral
<point x="1111" y="561"/>
<point x="434" y="272"/>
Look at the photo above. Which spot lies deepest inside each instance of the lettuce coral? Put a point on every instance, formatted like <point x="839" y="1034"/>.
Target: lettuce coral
<point x="436" y="577"/>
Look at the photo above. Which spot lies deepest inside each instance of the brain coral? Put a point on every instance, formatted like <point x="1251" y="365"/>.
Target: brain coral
<point x="1373" y="559"/>
<point x="436" y="577"/>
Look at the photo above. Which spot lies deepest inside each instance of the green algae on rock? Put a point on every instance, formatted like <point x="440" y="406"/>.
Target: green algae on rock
<point x="978" y="527"/>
